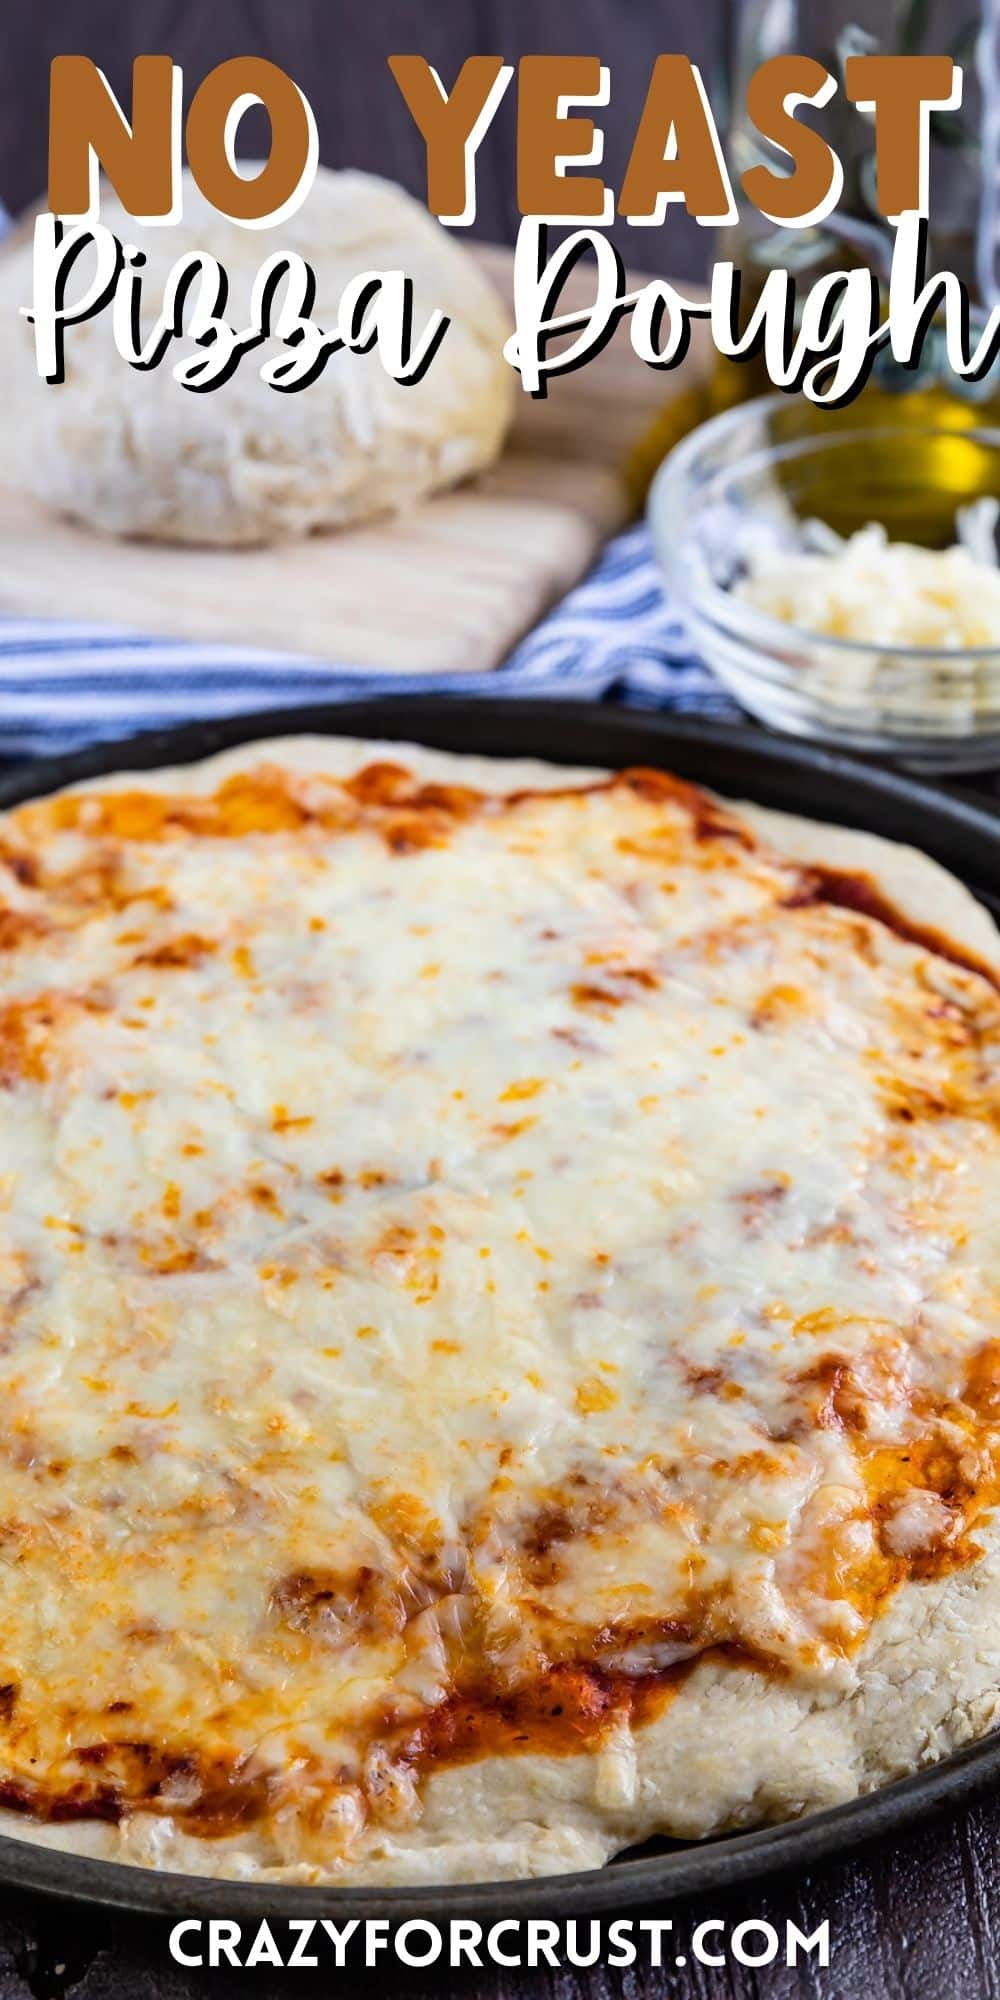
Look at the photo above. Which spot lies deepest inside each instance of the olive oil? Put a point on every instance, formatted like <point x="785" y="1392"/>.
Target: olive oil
<point x="919" y="461"/>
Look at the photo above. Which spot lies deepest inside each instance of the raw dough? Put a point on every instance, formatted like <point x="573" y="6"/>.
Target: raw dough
<point x="136" y="454"/>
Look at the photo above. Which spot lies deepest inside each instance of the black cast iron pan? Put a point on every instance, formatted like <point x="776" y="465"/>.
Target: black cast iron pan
<point x="743" y="763"/>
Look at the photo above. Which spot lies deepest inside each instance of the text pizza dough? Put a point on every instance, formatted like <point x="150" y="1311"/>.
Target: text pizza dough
<point x="134" y="453"/>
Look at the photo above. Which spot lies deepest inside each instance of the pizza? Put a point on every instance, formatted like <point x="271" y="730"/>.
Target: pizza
<point x="500" y="1315"/>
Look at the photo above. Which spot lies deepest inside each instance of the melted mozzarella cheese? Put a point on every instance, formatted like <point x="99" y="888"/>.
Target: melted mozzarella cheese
<point x="458" y="1256"/>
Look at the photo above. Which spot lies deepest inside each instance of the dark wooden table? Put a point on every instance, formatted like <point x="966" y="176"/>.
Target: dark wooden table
<point x="919" y="1920"/>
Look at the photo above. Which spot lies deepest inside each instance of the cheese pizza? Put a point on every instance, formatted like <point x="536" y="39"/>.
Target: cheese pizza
<point x="500" y="1315"/>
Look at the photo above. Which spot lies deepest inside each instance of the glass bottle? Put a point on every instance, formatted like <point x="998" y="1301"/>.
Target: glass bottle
<point x="964" y="187"/>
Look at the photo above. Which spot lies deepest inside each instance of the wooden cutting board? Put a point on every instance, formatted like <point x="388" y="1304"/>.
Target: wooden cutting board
<point x="450" y="587"/>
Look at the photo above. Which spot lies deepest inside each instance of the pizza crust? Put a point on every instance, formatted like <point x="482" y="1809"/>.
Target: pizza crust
<point x="920" y="888"/>
<point x="911" y="880"/>
<point x="735" y="1748"/>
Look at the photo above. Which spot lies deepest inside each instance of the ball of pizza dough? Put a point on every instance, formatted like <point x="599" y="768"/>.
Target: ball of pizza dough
<point x="134" y="453"/>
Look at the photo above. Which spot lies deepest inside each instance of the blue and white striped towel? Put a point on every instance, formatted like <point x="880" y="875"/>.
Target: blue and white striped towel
<point x="614" y="637"/>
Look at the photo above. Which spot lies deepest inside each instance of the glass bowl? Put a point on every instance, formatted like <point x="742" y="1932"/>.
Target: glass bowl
<point x="748" y="481"/>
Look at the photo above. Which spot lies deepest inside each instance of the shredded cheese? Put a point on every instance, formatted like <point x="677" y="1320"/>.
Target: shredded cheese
<point x="883" y="592"/>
